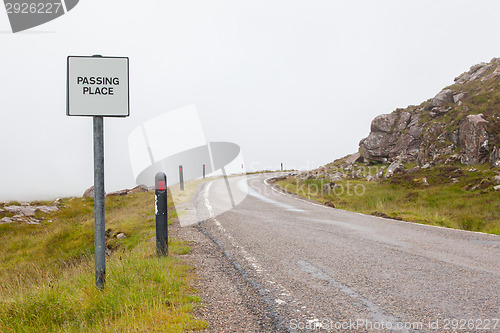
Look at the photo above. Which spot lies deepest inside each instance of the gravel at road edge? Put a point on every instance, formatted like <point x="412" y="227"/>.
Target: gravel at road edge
<point x="230" y="303"/>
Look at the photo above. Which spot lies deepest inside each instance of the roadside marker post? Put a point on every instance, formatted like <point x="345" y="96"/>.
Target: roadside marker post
<point x="181" y="178"/>
<point x="98" y="87"/>
<point x="161" y="214"/>
<point x="203" y="171"/>
<point x="281" y="166"/>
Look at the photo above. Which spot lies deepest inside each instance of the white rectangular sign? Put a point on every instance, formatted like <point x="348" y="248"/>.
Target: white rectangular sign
<point x="98" y="86"/>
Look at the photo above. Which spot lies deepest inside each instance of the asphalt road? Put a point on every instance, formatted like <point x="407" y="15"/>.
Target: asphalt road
<point x="322" y="269"/>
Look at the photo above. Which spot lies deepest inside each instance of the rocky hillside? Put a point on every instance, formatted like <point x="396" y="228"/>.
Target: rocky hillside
<point x="460" y="124"/>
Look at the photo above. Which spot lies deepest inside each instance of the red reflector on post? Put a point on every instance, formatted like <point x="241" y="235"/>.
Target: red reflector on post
<point x="161" y="185"/>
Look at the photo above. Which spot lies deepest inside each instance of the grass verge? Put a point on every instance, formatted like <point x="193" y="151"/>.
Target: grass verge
<point x="47" y="273"/>
<point x="450" y="196"/>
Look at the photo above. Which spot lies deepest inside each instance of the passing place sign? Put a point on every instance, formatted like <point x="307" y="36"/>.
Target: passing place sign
<point x="98" y="86"/>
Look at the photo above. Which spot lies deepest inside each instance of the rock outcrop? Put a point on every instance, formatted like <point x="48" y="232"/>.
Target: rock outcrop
<point x="461" y="123"/>
<point x="392" y="135"/>
<point x="356" y="157"/>
<point x="25" y="213"/>
<point x="30" y="210"/>
<point x="443" y="98"/>
<point x="137" y="189"/>
<point x="495" y="157"/>
<point x="395" y="167"/>
<point x="118" y="193"/>
<point x="473" y="138"/>
<point x="89" y="193"/>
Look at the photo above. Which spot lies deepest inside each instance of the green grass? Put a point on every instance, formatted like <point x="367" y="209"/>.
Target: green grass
<point x="47" y="273"/>
<point x="189" y="190"/>
<point x="470" y="203"/>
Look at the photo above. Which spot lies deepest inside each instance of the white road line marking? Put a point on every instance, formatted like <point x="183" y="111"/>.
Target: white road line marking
<point x="243" y="186"/>
<point x="287" y="195"/>
<point x="376" y="312"/>
<point x="250" y="259"/>
<point x="246" y="255"/>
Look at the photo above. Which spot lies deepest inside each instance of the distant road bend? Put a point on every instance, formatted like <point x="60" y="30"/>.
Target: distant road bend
<point x="324" y="269"/>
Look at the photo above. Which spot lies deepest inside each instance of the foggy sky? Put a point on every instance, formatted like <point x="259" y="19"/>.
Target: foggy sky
<point x="289" y="81"/>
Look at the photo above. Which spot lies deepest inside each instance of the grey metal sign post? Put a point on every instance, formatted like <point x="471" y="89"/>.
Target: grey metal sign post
<point x="98" y="87"/>
<point x="99" y="217"/>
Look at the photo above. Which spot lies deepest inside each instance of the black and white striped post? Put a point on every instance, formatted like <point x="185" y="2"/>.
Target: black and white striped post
<point x="161" y="214"/>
